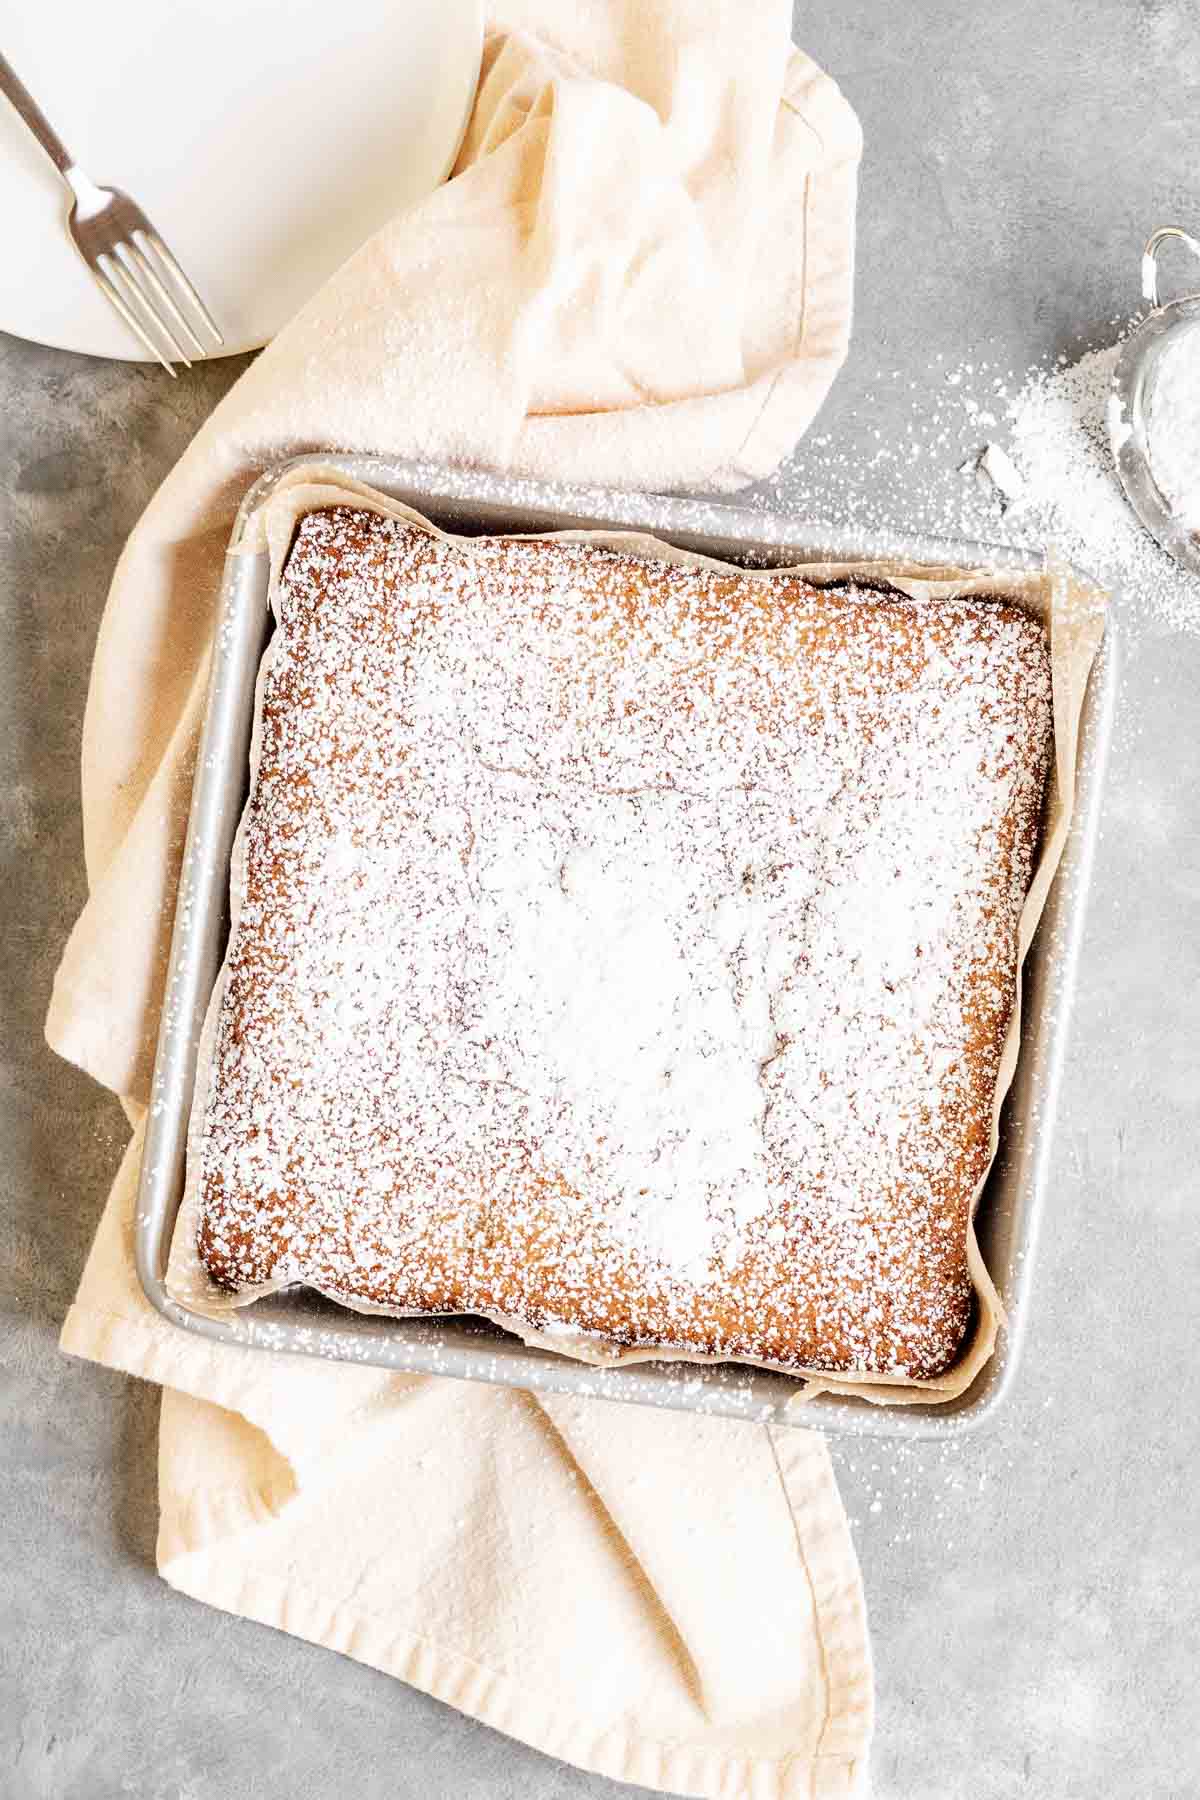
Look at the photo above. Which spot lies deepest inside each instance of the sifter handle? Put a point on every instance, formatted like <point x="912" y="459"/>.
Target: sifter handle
<point x="1150" y="258"/>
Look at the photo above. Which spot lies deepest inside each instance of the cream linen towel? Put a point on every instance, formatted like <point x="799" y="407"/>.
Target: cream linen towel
<point x="640" y="274"/>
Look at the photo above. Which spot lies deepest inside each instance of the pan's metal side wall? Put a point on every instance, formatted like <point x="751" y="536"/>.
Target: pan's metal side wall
<point x="201" y="906"/>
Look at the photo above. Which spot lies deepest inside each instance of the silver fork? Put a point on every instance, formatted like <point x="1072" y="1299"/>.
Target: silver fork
<point x="120" y="246"/>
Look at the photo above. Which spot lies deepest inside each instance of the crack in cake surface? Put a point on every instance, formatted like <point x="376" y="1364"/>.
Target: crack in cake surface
<point x="624" y="946"/>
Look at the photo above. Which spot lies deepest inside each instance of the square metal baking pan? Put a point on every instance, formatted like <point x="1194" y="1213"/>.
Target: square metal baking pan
<point x="302" y="1321"/>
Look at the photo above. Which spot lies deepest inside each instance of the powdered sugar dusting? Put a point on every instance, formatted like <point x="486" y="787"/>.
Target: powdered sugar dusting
<point x="629" y="957"/>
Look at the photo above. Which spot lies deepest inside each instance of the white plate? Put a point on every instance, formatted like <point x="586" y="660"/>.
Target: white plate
<point x="266" y="141"/>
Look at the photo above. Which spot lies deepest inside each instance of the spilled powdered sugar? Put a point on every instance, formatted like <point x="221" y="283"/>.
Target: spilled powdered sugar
<point x="1021" y="458"/>
<point x="594" y="950"/>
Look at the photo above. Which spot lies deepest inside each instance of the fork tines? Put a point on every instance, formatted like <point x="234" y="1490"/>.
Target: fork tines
<point x="149" y="289"/>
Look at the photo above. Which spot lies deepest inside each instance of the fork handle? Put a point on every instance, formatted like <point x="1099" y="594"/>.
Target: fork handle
<point x="34" y="117"/>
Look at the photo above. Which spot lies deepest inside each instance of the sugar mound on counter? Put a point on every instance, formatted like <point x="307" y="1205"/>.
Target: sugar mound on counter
<point x="1074" y="498"/>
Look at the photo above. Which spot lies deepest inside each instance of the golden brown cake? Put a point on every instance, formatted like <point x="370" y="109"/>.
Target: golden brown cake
<point x="623" y="946"/>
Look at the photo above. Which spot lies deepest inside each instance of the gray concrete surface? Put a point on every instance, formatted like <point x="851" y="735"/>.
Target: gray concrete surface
<point x="1033" y="1593"/>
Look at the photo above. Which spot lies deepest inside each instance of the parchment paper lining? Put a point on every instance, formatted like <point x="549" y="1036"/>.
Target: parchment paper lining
<point x="1071" y="609"/>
